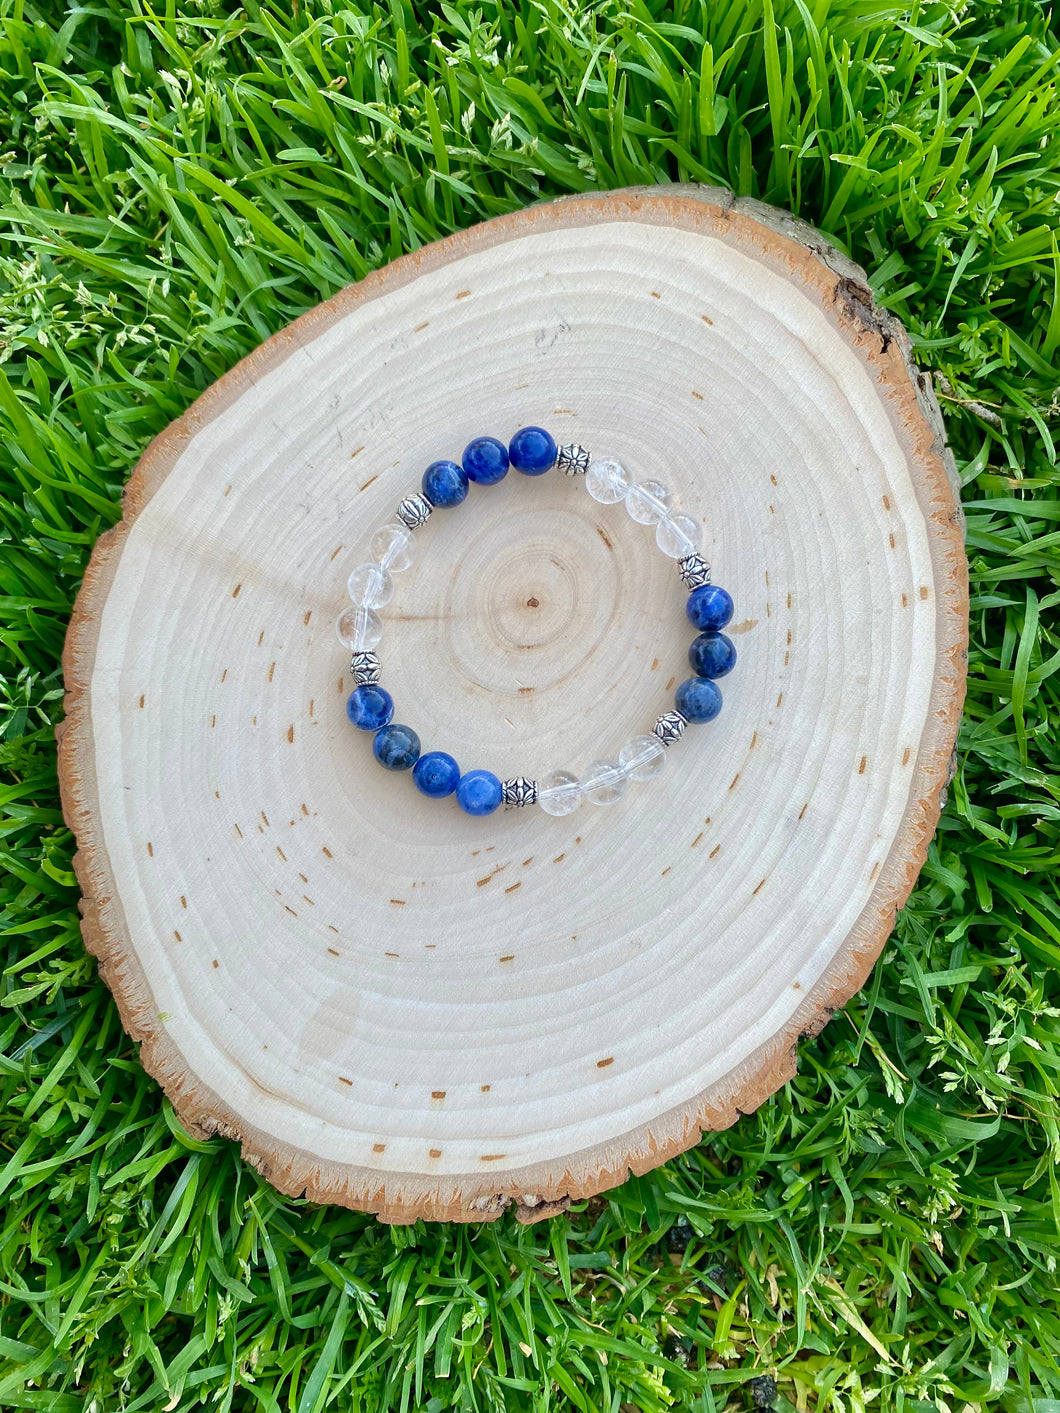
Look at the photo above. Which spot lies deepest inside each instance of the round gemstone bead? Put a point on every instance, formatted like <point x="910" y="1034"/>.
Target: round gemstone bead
<point x="436" y="774"/>
<point x="709" y="608"/>
<point x="485" y="461"/>
<point x="648" y="501"/>
<point x="394" y="546"/>
<point x="479" y="792"/>
<point x="678" y="535"/>
<point x="608" y="481"/>
<point x="532" y="451"/>
<point x="604" y="783"/>
<point x="371" y="585"/>
<point x="712" y="655"/>
<point x="559" y="792"/>
<point x="359" y="628"/>
<point x="642" y="757"/>
<point x="396" y="747"/>
<point x="444" y="484"/>
<point x="369" y="707"/>
<point x="698" y="699"/>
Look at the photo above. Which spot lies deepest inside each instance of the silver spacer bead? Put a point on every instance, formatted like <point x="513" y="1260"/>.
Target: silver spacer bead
<point x="364" y="666"/>
<point x="415" y="510"/>
<point x="519" y="792"/>
<point x="573" y="459"/>
<point x="670" y="727"/>
<point x="694" y="570"/>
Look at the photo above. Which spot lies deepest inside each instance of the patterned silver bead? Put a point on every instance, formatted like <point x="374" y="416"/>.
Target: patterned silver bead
<point x="573" y="459"/>
<point x="519" y="792"/>
<point x="364" y="667"/>
<point x="670" y="727"/>
<point x="415" y="510"/>
<point x="694" y="570"/>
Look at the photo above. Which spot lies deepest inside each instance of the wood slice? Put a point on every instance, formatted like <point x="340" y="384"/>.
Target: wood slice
<point x="403" y="1009"/>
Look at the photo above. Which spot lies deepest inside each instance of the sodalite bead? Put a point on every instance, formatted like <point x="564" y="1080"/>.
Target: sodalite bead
<point x="485" y="461"/>
<point x="698" y="699"/>
<point x="712" y="655"/>
<point x="479" y="792"/>
<point x="709" y="608"/>
<point x="396" y="747"/>
<point x="436" y="774"/>
<point x="444" y="484"/>
<point x="369" y="707"/>
<point x="532" y="451"/>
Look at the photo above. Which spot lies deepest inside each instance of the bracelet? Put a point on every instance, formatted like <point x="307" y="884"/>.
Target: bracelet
<point x="445" y="484"/>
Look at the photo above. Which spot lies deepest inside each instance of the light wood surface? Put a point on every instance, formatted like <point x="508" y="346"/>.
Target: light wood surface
<point x="403" y="1009"/>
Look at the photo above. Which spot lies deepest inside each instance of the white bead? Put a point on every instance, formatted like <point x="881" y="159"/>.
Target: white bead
<point x="559" y="792"/>
<point x="607" y="480"/>
<point x="678" y="535"/>
<point x="642" y="757"/>
<point x="359" y="628"/>
<point x="394" y="546"/>
<point x="648" y="502"/>
<point x="604" y="783"/>
<point x="371" y="585"/>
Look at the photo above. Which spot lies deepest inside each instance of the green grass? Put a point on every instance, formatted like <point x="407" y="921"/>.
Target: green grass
<point x="883" y="1233"/>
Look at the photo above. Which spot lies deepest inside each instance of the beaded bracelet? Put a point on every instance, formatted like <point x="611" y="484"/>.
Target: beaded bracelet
<point x="445" y="484"/>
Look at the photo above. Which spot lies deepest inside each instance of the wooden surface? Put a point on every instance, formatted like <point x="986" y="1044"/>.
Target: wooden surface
<point x="407" y="1010"/>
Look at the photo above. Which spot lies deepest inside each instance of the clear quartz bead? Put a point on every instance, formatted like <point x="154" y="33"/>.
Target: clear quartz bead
<point x="607" y="480"/>
<point x="371" y="585"/>
<point x="559" y="792"/>
<point x="359" y="628"/>
<point x="394" y="546"/>
<point x="678" y="535"/>
<point x="648" y="501"/>
<point x="642" y="757"/>
<point x="605" y="782"/>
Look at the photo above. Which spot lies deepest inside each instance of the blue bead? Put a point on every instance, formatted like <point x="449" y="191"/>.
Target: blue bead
<point x="444" y="484"/>
<point x="709" y="608"/>
<point x="485" y="461"/>
<point x="479" y="792"/>
<point x="369" y="707"/>
<point x="396" y="747"/>
<point x="436" y="774"/>
<point x="712" y="655"/>
<point x="532" y="450"/>
<point x="698" y="699"/>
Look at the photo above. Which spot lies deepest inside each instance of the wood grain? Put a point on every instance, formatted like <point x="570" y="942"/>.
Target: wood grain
<point x="399" y="1008"/>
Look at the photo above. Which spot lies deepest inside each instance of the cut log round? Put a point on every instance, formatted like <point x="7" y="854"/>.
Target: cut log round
<point x="400" y="1008"/>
